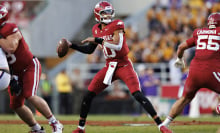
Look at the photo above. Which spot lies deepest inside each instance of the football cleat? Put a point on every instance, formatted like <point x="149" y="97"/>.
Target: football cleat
<point x="38" y="131"/>
<point x="57" y="127"/>
<point x="78" y="130"/>
<point x="164" y="129"/>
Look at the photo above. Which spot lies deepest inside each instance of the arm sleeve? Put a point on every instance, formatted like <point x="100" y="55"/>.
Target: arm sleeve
<point x="113" y="46"/>
<point x="86" y="48"/>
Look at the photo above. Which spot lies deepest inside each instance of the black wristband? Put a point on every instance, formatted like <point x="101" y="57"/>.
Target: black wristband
<point x="73" y="46"/>
<point x="99" y="40"/>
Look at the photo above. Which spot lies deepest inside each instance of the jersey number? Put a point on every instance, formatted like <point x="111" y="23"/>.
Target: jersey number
<point x="211" y="45"/>
<point x="112" y="55"/>
<point x="11" y="58"/>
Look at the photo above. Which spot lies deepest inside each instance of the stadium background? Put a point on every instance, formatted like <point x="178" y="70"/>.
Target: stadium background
<point x="153" y="29"/>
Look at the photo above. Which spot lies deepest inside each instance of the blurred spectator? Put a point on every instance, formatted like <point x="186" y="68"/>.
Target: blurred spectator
<point x="46" y="89"/>
<point x="175" y="73"/>
<point x="180" y="92"/>
<point x="149" y="84"/>
<point x="22" y="11"/>
<point x="64" y="88"/>
<point x="130" y="34"/>
<point x="117" y="93"/>
<point x="79" y="88"/>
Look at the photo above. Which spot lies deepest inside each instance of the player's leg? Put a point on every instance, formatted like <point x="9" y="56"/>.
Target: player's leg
<point x="190" y="89"/>
<point x="129" y="76"/>
<point x="17" y="104"/>
<point x="176" y="109"/>
<point x="95" y="87"/>
<point x="30" y="85"/>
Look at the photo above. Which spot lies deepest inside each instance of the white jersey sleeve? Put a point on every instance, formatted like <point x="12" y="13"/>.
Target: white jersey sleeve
<point x="3" y="60"/>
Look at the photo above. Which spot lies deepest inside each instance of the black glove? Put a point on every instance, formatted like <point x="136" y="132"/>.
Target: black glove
<point x="15" y="87"/>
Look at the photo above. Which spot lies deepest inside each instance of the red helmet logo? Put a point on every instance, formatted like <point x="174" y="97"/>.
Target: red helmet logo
<point x="104" y="12"/>
<point x="214" y="20"/>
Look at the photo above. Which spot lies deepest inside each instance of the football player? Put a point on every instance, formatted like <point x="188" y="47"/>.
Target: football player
<point x="27" y="70"/>
<point x="109" y="35"/>
<point x="204" y="70"/>
<point x="4" y="71"/>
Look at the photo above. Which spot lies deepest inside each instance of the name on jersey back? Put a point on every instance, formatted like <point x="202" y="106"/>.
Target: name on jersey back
<point x="206" y="32"/>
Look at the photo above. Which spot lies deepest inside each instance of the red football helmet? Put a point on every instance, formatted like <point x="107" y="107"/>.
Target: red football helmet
<point x="104" y="12"/>
<point x="3" y="14"/>
<point x="214" y="20"/>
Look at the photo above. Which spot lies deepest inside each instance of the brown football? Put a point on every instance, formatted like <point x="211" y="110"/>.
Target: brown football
<point x="62" y="48"/>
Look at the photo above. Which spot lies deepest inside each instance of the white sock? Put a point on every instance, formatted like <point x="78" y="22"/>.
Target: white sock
<point x="52" y="119"/>
<point x="167" y="121"/>
<point x="80" y="127"/>
<point x="36" y="127"/>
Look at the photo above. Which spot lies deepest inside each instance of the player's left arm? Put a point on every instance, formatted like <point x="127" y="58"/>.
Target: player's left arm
<point x="117" y="41"/>
<point x="11" y="42"/>
<point x="115" y="44"/>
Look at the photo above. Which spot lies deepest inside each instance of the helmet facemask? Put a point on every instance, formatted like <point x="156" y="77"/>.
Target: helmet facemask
<point x="106" y="16"/>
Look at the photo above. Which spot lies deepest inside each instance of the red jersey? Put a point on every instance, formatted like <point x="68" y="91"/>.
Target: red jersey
<point x="207" y="55"/>
<point x="107" y="34"/>
<point x="21" y="58"/>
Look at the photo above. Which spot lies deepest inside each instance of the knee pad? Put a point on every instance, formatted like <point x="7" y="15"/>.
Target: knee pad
<point x="4" y="80"/>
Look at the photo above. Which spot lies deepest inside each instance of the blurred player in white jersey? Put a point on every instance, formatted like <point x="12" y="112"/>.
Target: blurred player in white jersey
<point x="4" y="71"/>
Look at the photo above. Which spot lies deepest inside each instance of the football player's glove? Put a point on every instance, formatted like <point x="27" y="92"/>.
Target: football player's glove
<point x="15" y="87"/>
<point x="179" y="63"/>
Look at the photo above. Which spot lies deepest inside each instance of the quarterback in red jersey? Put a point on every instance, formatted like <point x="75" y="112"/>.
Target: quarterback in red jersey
<point x="27" y="70"/>
<point x="109" y="35"/>
<point x="204" y="71"/>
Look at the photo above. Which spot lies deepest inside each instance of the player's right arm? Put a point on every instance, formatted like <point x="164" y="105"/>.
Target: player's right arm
<point x="84" y="48"/>
<point x="180" y="51"/>
<point x="181" y="48"/>
<point x="10" y="43"/>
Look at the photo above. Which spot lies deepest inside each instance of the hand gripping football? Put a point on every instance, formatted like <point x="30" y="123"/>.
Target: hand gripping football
<point x="62" y="48"/>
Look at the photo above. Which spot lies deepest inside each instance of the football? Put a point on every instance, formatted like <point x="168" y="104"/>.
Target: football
<point x="218" y="109"/>
<point x="62" y="48"/>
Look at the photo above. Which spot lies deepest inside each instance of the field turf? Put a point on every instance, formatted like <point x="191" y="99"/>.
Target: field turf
<point x="116" y="124"/>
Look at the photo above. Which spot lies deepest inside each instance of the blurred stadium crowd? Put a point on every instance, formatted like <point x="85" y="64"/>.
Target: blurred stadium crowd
<point x="22" y="12"/>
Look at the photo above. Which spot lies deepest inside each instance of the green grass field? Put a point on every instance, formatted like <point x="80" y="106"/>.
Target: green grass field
<point x="92" y="128"/>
